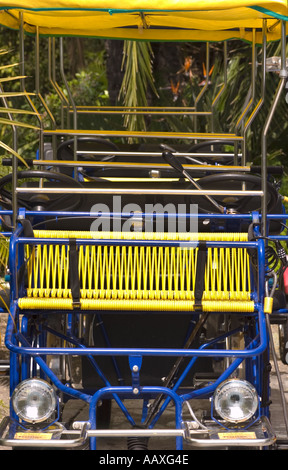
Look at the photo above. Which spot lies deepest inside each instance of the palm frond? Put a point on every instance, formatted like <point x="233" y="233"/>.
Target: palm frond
<point x="11" y="94"/>
<point x="16" y="154"/>
<point x="138" y="75"/>
<point x="16" y="111"/>
<point x="9" y="66"/>
<point x="4" y="251"/>
<point x="9" y="79"/>
<point x="8" y="122"/>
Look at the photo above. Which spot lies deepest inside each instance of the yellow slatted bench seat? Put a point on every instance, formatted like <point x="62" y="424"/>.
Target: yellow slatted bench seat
<point x="137" y="277"/>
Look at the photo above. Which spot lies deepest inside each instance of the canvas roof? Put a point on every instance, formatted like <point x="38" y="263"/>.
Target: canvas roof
<point x="161" y="20"/>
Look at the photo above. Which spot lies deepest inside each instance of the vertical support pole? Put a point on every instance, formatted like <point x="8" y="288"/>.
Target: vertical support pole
<point x="253" y="84"/>
<point x="283" y="76"/>
<point x="14" y="163"/>
<point x="52" y="78"/>
<point x="22" y="84"/>
<point x="251" y="100"/>
<point x="71" y="100"/>
<point x="263" y="88"/>
<point x="37" y="88"/>
<point x="217" y="97"/>
<point x="198" y="98"/>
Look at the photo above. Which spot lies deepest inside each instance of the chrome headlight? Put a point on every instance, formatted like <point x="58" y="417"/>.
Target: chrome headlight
<point x="34" y="400"/>
<point x="235" y="400"/>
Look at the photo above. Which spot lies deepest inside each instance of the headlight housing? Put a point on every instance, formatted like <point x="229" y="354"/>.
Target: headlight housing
<point x="34" y="400"/>
<point x="235" y="400"/>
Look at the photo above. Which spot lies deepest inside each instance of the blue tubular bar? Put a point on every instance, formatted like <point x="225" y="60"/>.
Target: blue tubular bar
<point x="18" y="344"/>
<point x="62" y="387"/>
<point x="263" y="340"/>
<point x="75" y="341"/>
<point x="148" y="214"/>
<point x="188" y="368"/>
<point x="69" y="390"/>
<point x="107" y="341"/>
<point x="120" y="242"/>
<point x="204" y="392"/>
<point x="126" y="391"/>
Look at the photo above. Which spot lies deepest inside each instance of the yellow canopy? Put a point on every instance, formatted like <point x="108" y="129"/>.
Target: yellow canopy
<point x="158" y="20"/>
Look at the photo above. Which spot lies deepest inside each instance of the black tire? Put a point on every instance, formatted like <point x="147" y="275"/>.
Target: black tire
<point x="41" y="201"/>
<point x="234" y="181"/>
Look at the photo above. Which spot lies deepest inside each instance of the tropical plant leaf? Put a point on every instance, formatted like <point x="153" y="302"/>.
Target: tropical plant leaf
<point x="11" y="94"/>
<point x="4" y="251"/>
<point x="16" y="111"/>
<point x="138" y="76"/>
<point x="16" y="154"/>
<point x="9" y="79"/>
<point x="17" y="123"/>
<point x="5" y="51"/>
<point x="9" y="66"/>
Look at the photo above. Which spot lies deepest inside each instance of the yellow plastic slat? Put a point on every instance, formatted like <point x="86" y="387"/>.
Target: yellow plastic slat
<point x="145" y="134"/>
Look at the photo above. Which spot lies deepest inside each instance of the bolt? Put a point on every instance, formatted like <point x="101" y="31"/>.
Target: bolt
<point x="135" y="368"/>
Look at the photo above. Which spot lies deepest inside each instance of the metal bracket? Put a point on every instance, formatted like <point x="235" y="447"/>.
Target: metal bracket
<point x="135" y="363"/>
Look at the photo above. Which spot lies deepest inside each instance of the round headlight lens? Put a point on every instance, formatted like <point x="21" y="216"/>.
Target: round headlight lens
<point x="235" y="400"/>
<point x="34" y="400"/>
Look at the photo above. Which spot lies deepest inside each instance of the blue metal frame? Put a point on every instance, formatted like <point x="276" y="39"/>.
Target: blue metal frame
<point x="17" y="339"/>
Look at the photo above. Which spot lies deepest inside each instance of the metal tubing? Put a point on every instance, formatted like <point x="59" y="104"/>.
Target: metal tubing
<point x="35" y="352"/>
<point x="137" y="432"/>
<point x="168" y="192"/>
<point x="142" y="154"/>
<point x="280" y="383"/>
<point x="53" y="377"/>
<point x="112" y="242"/>
<point x="37" y="82"/>
<point x="281" y="85"/>
<point x="150" y="166"/>
<point x="253" y="79"/>
<point x="144" y="134"/>
<point x="209" y="389"/>
<point x="204" y="88"/>
<point x="22" y="83"/>
<point x="70" y="98"/>
<point x="13" y="259"/>
<point x="142" y="391"/>
<point x="152" y="215"/>
<point x="188" y="368"/>
<point x="44" y="443"/>
<point x="14" y="163"/>
<point x="14" y="160"/>
<point x="251" y="100"/>
<point x="94" y="364"/>
<point x="222" y="89"/>
<point x="52" y="77"/>
<point x="188" y="434"/>
<point x="263" y="88"/>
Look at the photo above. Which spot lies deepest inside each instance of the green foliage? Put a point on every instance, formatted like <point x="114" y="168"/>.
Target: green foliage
<point x="141" y="87"/>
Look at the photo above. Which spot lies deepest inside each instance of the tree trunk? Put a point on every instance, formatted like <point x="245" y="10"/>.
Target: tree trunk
<point x="114" y="50"/>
